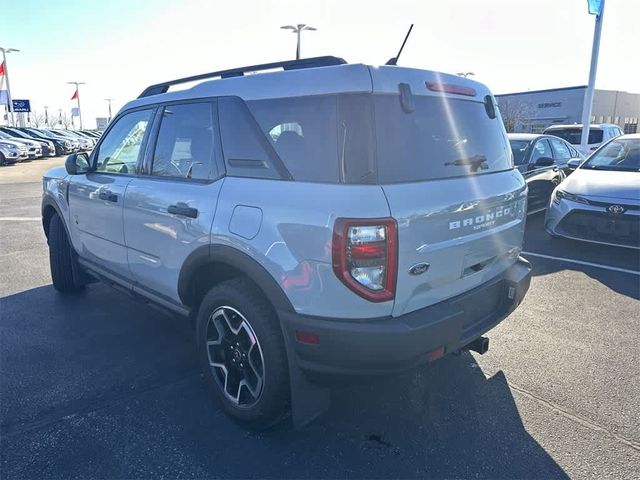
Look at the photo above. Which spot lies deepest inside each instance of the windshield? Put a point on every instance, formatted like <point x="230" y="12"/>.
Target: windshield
<point x="519" y="149"/>
<point x="619" y="154"/>
<point x="572" y="135"/>
<point x="441" y="138"/>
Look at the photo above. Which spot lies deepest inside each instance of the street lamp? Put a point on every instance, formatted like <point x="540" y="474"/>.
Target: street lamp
<point x="6" y="75"/>
<point x="298" y="29"/>
<point x="77" y="97"/>
<point x="465" y="75"/>
<point x="109" y="101"/>
<point x="46" y="116"/>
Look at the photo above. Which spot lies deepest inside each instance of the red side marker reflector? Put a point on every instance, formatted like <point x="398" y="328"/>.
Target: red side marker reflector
<point x="451" y="88"/>
<point x="307" y="337"/>
<point x="436" y="354"/>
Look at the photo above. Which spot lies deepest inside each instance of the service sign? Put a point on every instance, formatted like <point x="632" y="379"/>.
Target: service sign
<point x="21" y="105"/>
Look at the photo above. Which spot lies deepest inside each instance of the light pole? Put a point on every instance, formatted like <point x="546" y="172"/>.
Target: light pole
<point x="46" y="116"/>
<point x="108" y="100"/>
<point x="596" y="7"/>
<point x="465" y="75"/>
<point x="6" y="75"/>
<point x="298" y="29"/>
<point x="77" y="97"/>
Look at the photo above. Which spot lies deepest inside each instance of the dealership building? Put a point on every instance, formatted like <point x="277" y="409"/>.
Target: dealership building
<point x="533" y="111"/>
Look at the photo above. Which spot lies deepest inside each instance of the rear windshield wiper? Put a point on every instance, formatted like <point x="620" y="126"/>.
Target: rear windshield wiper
<point x="476" y="162"/>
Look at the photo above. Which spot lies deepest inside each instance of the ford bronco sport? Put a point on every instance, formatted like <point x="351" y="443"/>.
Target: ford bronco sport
<point x="329" y="218"/>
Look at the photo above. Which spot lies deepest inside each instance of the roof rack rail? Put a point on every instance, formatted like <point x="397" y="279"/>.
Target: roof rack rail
<point x="239" y="72"/>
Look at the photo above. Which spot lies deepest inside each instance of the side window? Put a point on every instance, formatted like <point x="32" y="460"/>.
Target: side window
<point x="574" y="152"/>
<point x="560" y="149"/>
<point x="185" y="144"/>
<point x="121" y="147"/>
<point x="247" y="152"/>
<point x="540" y="149"/>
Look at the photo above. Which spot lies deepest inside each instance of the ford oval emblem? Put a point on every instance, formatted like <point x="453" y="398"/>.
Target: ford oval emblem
<point x="419" y="268"/>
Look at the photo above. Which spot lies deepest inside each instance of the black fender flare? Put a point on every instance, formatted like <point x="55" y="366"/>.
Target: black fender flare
<point x="212" y="254"/>
<point x="49" y="202"/>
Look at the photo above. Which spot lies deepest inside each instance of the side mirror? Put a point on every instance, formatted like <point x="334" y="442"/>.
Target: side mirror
<point x="574" y="163"/>
<point x="77" y="164"/>
<point x="544" y="162"/>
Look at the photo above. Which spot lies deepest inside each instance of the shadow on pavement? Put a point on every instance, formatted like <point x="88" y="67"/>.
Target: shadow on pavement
<point x="98" y="386"/>
<point x="538" y="241"/>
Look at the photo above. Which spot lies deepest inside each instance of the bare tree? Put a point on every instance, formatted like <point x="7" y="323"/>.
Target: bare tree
<point x="515" y="114"/>
<point x="37" y="119"/>
<point x="66" y="121"/>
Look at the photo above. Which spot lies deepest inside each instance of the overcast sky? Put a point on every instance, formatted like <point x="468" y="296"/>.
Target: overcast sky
<point x="120" y="46"/>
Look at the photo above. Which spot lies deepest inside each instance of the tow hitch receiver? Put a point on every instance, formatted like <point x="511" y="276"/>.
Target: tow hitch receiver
<point x="479" y="345"/>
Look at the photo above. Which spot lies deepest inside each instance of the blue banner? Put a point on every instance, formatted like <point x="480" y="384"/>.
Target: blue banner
<point x="595" y="7"/>
<point x="75" y="112"/>
<point x="4" y="97"/>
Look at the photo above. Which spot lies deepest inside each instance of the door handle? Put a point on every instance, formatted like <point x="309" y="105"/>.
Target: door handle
<point x="183" y="210"/>
<point x="108" y="196"/>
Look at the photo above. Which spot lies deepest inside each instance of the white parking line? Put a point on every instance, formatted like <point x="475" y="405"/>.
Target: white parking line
<point x="580" y="262"/>
<point x="20" y="219"/>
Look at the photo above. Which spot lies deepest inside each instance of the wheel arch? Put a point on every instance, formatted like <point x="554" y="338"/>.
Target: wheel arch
<point x="49" y="209"/>
<point x="211" y="264"/>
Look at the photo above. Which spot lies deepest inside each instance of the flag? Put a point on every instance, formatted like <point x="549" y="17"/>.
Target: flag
<point x="75" y="95"/>
<point x="75" y="112"/>
<point x="595" y="7"/>
<point x="2" y="68"/>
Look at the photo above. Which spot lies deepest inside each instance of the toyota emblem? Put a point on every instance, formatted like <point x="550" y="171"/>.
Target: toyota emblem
<point x="616" y="209"/>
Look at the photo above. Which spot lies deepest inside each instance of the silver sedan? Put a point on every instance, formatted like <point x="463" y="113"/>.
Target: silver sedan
<point x="600" y="201"/>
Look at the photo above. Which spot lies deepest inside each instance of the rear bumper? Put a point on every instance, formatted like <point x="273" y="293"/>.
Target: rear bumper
<point x="390" y="344"/>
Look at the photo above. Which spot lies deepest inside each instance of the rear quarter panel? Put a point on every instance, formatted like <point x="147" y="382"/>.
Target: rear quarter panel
<point x="294" y="237"/>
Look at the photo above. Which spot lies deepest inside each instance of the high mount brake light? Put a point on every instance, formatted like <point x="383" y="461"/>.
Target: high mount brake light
<point x="451" y="88"/>
<point x="365" y="256"/>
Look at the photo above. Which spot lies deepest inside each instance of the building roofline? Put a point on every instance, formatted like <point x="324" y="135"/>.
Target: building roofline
<point x="541" y="91"/>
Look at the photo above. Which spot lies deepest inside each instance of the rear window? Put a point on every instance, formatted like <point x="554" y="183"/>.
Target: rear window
<point x="364" y="138"/>
<point x="572" y="135"/>
<point x="441" y="138"/>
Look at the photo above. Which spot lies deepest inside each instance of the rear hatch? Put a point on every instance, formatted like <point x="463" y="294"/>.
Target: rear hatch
<point x="445" y="166"/>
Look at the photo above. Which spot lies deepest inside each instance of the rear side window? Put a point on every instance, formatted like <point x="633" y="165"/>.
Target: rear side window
<point x="560" y="149"/>
<point x="442" y="137"/>
<point x="247" y="152"/>
<point x="185" y="145"/>
<point x="519" y="149"/>
<point x="541" y="150"/>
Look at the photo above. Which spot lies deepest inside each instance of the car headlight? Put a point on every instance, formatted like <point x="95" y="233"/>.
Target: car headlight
<point x="562" y="195"/>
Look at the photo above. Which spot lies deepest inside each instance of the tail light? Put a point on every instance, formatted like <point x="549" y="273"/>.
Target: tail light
<point x="365" y="256"/>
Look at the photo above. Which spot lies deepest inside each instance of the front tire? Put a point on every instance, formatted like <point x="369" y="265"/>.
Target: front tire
<point x="61" y="259"/>
<point x="242" y="353"/>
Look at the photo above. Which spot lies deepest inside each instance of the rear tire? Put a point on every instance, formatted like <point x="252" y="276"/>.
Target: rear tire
<point x="237" y="305"/>
<point x="61" y="259"/>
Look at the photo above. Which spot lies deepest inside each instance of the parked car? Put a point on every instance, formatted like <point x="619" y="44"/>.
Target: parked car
<point x="543" y="161"/>
<point x="598" y="134"/>
<point x="68" y="145"/>
<point x="12" y="152"/>
<point x="600" y="201"/>
<point x="48" y="146"/>
<point x="85" y="144"/>
<point x="359" y="220"/>
<point x="34" y="148"/>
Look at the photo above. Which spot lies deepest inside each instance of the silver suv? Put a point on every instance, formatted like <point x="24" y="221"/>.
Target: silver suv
<point x="329" y="218"/>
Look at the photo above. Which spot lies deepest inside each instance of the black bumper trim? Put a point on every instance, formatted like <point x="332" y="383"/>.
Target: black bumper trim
<point x="390" y="344"/>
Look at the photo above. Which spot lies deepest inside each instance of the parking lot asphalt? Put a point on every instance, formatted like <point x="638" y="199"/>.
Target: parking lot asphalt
<point x="99" y="386"/>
